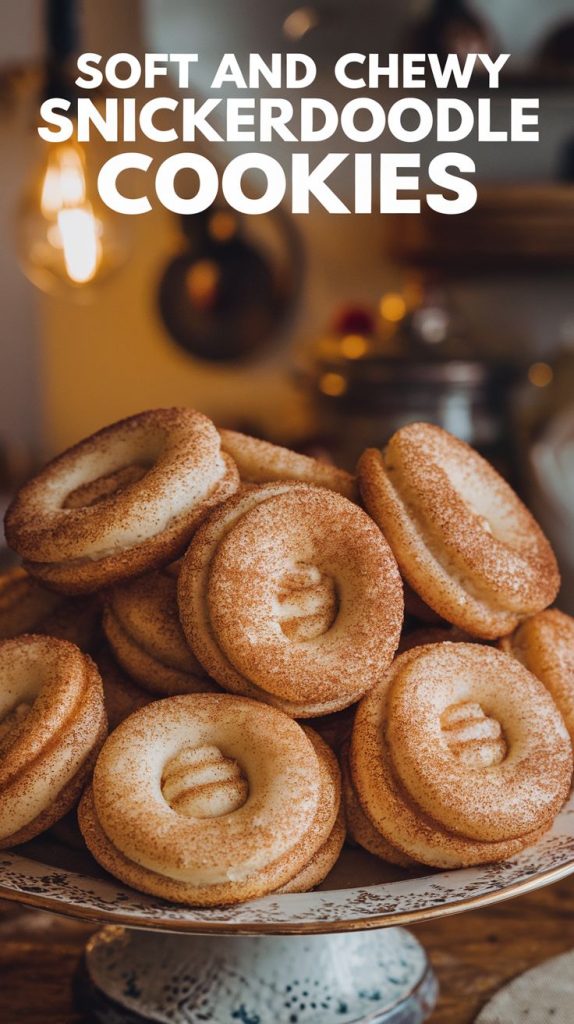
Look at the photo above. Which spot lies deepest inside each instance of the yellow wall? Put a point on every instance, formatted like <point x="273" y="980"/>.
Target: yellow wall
<point x="113" y="357"/>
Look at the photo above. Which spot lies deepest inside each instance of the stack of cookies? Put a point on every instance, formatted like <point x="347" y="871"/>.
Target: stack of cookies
<point x="206" y="649"/>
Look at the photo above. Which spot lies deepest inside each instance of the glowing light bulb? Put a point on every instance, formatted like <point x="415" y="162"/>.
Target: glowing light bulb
<point x="299" y="22"/>
<point x="64" y="183"/>
<point x="67" y="238"/>
<point x="80" y="243"/>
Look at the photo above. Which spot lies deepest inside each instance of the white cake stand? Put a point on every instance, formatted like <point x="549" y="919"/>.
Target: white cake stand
<point x="337" y="954"/>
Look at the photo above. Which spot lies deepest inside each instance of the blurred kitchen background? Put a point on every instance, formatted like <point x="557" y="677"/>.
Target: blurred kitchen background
<point x="322" y="332"/>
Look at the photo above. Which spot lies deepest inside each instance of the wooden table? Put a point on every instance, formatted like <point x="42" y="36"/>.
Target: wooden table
<point x="473" y="955"/>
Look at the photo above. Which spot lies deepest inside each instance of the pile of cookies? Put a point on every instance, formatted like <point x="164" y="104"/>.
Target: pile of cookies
<point x="206" y="649"/>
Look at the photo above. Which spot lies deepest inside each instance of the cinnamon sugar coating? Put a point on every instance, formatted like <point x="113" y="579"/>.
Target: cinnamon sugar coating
<point x="458" y="756"/>
<point x="121" y="695"/>
<point x="545" y="646"/>
<point x="232" y="598"/>
<point x="141" y="622"/>
<point x="211" y="799"/>
<point x="52" y="724"/>
<point x="323" y="861"/>
<point x="463" y="540"/>
<point x="287" y="594"/>
<point x="359" y="826"/>
<point x="28" y="607"/>
<point x="260" y="462"/>
<point x="121" y="502"/>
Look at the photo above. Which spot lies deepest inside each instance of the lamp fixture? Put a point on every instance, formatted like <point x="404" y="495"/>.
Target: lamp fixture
<point x="66" y="238"/>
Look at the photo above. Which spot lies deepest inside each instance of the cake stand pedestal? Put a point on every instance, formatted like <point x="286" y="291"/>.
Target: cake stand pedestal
<point x="338" y="954"/>
<point x="376" y="976"/>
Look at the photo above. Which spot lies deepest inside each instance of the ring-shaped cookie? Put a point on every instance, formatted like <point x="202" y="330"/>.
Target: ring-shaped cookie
<point x="360" y="828"/>
<point x="121" y="502"/>
<point x="459" y="756"/>
<point x="232" y="587"/>
<point x="210" y="799"/>
<point x="322" y="862"/>
<point x="463" y="539"/>
<point x="121" y="695"/>
<point x="545" y="646"/>
<point x="52" y="724"/>
<point x="24" y="603"/>
<point x="260" y="462"/>
<point x="141" y="622"/>
<point x="28" y="607"/>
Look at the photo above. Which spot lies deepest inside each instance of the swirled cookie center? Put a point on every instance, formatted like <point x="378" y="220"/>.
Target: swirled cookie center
<point x="200" y="782"/>
<point x="475" y="739"/>
<point x="103" y="487"/>
<point x="307" y="603"/>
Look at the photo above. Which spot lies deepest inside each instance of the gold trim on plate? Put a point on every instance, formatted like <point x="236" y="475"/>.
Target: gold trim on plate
<point x="403" y="918"/>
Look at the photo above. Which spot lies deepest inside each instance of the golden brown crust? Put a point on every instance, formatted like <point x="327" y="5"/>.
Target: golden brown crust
<point x="28" y="607"/>
<point x="52" y="724"/>
<point x="23" y="603"/>
<point x="65" y="802"/>
<point x="360" y="828"/>
<point x="288" y="594"/>
<point x="545" y="646"/>
<point x="241" y="580"/>
<point x="121" y="695"/>
<point x="325" y="858"/>
<point x="85" y="576"/>
<point x="141" y="622"/>
<point x="143" y="524"/>
<point x="321" y="863"/>
<point x="260" y="462"/>
<point x="219" y="843"/>
<point x="463" y="540"/>
<point x="446" y="781"/>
